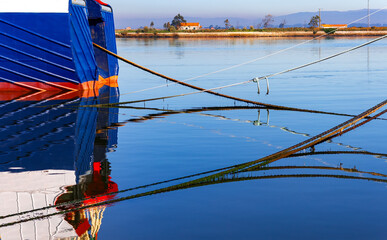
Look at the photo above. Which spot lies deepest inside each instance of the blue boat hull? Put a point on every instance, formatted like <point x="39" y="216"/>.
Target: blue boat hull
<point x="54" y="51"/>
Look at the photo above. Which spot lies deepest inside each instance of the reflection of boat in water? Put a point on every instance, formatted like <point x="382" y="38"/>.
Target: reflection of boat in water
<point x="48" y="45"/>
<point x="54" y="152"/>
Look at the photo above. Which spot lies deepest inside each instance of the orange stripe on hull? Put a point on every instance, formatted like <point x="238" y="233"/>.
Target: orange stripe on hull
<point x="110" y="82"/>
<point x="91" y="88"/>
<point x="32" y="91"/>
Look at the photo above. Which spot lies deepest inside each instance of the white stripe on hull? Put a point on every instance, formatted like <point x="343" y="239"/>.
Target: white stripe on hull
<point x="34" y="6"/>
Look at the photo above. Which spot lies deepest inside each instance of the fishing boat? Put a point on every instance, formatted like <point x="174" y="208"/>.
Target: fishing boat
<point x="48" y="45"/>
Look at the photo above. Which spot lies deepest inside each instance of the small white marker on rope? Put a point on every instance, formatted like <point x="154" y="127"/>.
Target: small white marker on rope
<point x="267" y="85"/>
<point x="256" y="80"/>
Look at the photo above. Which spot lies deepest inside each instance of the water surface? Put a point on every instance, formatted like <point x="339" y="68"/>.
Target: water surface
<point x="335" y="191"/>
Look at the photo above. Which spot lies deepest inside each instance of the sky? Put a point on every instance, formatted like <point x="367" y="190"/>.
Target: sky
<point x="235" y="8"/>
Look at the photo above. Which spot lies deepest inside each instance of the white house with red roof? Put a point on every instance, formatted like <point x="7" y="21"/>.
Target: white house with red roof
<point x="189" y="26"/>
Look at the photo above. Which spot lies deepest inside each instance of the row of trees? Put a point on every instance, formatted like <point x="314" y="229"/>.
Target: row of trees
<point x="269" y="19"/>
<point x="176" y="21"/>
<point x="267" y="22"/>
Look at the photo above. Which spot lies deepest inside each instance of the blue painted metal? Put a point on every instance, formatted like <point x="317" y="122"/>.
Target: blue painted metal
<point x="111" y="42"/>
<point x="56" y="48"/>
<point x="36" y="57"/>
<point x="35" y="45"/>
<point x="82" y="45"/>
<point x="31" y="47"/>
<point x="97" y="30"/>
<point x="35" y="33"/>
<point x="103" y="33"/>
<point x="38" y="69"/>
<point x="28" y="77"/>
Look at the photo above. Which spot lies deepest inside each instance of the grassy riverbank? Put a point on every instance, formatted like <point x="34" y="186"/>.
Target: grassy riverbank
<point x="297" y="32"/>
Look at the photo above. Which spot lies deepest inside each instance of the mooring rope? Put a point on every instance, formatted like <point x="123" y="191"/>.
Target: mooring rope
<point x="323" y="59"/>
<point x="210" y="91"/>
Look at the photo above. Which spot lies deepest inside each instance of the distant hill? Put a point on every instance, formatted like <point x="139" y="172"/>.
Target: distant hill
<point x="292" y="20"/>
<point x="335" y="17"/>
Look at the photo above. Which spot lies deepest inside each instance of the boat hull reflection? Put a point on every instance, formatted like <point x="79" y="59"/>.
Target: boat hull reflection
<point x="53" y="152"/>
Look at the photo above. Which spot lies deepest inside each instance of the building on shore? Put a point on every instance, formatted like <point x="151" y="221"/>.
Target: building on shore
<point x="337" y="26"/>
<point x="190" y="26"/>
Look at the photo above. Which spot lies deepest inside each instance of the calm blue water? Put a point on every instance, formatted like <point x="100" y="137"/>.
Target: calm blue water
<point x="302" y="197"/>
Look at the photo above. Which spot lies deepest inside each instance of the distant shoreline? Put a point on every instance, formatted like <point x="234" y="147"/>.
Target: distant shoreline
<point x="242" y="34"/>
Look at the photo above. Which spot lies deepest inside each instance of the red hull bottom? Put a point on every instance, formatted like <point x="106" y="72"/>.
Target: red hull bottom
<point x="28" y="91"/>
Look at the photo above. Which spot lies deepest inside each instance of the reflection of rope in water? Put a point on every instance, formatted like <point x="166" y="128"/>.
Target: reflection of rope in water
<point x="205" y="173"/>
<point x="75" y="202"/>
<point x="377" y="155"/>
<point x="329" y="134"/>
<point x="96" y="216"/>
<point x="196" y="110"/>
<point x="348" y="170"/>
<point x="219" y="180"/>
<point x="166" y="112"/>
<point x="258" y="122"/>
<point x="267" y="124"/>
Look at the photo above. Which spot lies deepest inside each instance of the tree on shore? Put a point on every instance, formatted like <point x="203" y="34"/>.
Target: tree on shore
<point x="152" y="24"/>
<point x="282" y="24"/>
<point x="267" y="20"/>
<point x="171" y="28"/>
<point x="166" y="25"/>
<point x="177" y="20"/>
<point x="227" y="23"/>
<point x="314" y="21"/>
